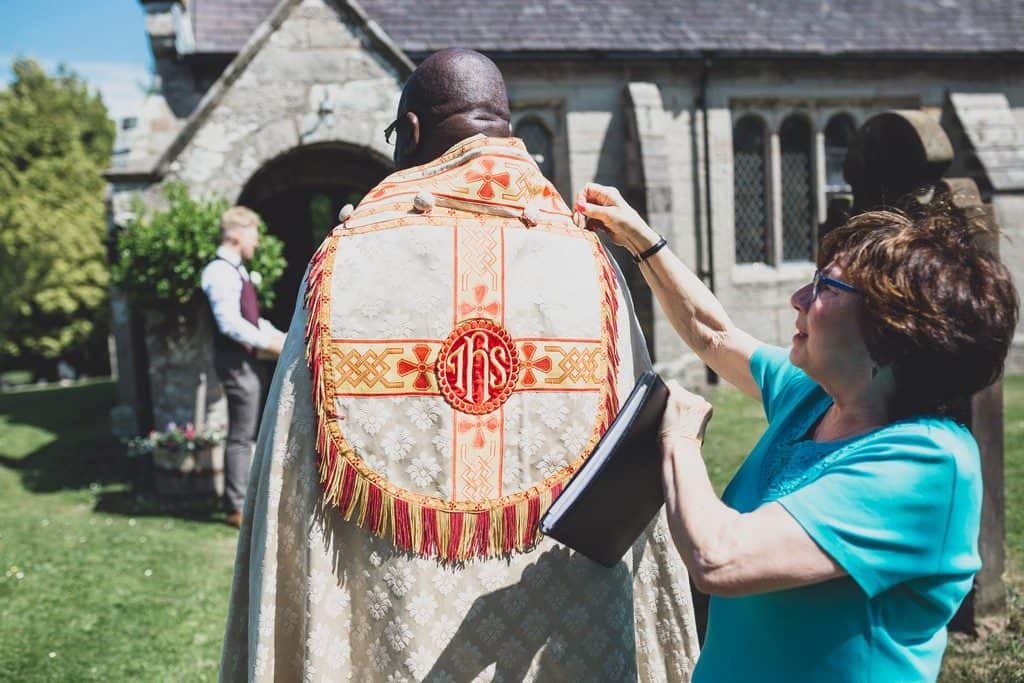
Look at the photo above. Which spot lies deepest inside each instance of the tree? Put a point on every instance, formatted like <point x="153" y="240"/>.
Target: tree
<point x="55" y="142"/>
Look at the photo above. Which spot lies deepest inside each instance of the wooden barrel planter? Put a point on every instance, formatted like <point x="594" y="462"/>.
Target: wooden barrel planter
<point x="189" y="476"/>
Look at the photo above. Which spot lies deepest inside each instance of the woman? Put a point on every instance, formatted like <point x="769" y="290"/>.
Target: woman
<point x="848" y="538"/>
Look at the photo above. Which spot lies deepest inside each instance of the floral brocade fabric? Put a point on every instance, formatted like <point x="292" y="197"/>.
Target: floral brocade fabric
<point x="318" y="597"/>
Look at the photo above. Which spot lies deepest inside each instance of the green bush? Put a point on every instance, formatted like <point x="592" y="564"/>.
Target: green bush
<point x="160" y="257"/>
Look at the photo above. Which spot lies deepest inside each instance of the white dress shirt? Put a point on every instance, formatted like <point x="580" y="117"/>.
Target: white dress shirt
<point x="223" y="287"/>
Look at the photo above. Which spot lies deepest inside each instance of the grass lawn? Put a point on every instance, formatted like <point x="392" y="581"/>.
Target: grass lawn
<point x="97" y="584"/>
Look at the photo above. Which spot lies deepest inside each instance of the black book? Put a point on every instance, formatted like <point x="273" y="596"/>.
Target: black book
<point x="617" y="492"/>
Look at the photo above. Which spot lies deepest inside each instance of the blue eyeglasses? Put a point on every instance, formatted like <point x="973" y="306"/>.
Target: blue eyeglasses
<point x="820" y="280"/>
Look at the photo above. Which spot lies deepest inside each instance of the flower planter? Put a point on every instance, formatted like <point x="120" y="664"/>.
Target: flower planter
<point x="181" y="474"/>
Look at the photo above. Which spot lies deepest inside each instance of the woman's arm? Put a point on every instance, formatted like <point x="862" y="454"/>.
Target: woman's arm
<point x="726" y="552"/>
<point x="695" y="313"/>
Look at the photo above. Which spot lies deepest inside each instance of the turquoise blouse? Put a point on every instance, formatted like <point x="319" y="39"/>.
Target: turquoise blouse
<point x="899" y="508"/>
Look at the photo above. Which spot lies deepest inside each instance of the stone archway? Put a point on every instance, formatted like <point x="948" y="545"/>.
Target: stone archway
<point x="299" y="194"/>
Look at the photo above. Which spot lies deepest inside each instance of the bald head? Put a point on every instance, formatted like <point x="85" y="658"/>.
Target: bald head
<point x="454" y="94"/>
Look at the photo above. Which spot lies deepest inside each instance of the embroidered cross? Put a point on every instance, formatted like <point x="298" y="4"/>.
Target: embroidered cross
<point x="529" y="363"/>
<point x="420" y="366"/>
<point x="478" y="307"/>
<point x="489" y="177"/>
<point x="477" y="425"/>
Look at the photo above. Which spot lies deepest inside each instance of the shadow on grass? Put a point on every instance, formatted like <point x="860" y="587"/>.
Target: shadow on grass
<point x="78" y="453"/>
<point x="140" y="502"/>
<point x="71" y="425"/>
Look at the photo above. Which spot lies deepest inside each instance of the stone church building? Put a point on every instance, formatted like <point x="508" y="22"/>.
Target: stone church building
<point x="726" y="122"/>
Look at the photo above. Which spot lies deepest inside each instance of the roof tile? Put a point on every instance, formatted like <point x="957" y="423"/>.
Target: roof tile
<point x="778" y="26"/>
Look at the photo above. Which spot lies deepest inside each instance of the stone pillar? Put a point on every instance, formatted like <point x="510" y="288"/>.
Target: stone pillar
<point x="132" y="414"/>
<point x="648" y="187"/>
<point x="125" y="418"/>
<point x="984" y="415"/>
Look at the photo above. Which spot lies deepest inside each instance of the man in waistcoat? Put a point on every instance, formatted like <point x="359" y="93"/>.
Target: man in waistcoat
<point x="240" y="336"/>
<point x="458" y="348"/>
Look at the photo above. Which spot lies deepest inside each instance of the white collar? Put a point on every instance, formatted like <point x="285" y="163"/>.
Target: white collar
<point x="230" y="255"/>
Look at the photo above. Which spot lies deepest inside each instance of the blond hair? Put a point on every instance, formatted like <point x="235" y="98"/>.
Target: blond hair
<point x="238" y="218"/>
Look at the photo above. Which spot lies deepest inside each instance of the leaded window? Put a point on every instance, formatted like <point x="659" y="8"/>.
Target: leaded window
<point x="750" y="206"/>
<point x="838" y="134"/>
<point x="798" y="216"/>
<point x="539" y="144"/>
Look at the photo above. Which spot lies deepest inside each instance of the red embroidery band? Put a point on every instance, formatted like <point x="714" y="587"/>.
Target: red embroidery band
<point x="477" y="366"/>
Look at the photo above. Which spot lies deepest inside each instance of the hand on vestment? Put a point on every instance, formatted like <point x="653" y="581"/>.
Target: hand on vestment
<point x="605" y="208"/>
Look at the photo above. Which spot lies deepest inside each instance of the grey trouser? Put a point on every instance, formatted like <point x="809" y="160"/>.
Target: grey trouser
<point x="242" y="380"/>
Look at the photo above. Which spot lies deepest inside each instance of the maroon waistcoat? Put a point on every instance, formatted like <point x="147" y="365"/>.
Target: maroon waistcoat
<point x="249" y="306"/>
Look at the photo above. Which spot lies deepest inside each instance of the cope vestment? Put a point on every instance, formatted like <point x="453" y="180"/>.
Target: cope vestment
<point x="459" y="347"/>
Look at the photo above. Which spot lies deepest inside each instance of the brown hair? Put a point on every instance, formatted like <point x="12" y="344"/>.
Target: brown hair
<point x="938" y="308"/>
<point x="238" y="218"/>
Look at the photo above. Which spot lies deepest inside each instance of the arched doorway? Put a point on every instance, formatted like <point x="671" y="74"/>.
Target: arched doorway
<point x="299" y="195"/>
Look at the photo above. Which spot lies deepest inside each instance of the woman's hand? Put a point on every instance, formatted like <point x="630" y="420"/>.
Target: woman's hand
<point x="686" y="416"/>
<point x="605" y="207"/>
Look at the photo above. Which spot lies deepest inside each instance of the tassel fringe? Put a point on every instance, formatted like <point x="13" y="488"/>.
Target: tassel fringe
<point x="611" y="331"/>
<point x="449" y="536"/>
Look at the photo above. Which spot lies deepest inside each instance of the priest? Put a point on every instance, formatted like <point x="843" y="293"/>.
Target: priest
<point x="459" y="347"/>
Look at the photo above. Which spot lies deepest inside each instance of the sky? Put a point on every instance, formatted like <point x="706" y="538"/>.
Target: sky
<point x="103" y="41"/>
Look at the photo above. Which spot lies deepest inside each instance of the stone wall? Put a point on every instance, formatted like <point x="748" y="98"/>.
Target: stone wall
<point x="592" y="100"/>
<point x="317" y="77"/>
<point x="180" y="352"/>
<point x="128" y="356"/>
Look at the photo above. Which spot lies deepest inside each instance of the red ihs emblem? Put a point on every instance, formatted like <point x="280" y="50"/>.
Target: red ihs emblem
<point x="477" y="366"/>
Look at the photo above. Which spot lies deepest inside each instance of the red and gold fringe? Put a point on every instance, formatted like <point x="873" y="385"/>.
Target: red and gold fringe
<point x="611" y="310"/>
<point x="446" y="535"/>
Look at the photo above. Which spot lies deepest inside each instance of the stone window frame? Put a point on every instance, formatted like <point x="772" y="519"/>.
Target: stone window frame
<point x="774" y="112"/>
<point x="550" y="113"/>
